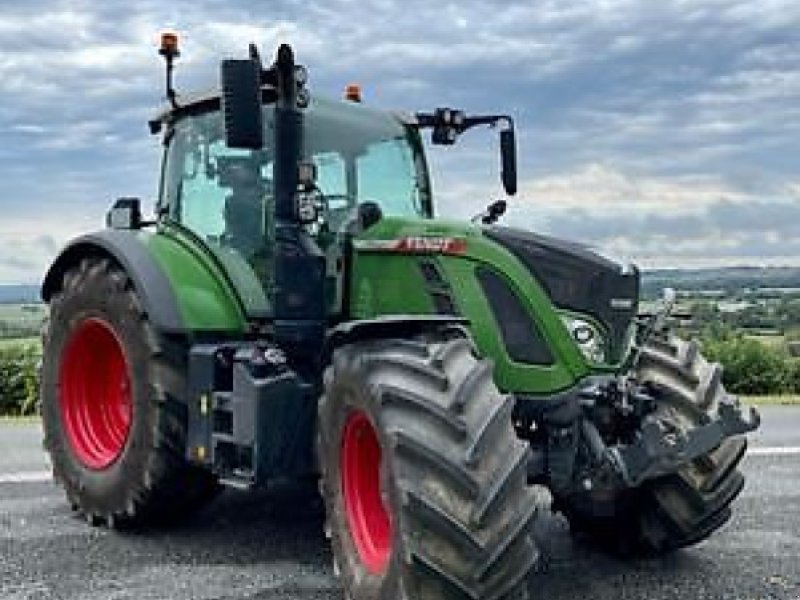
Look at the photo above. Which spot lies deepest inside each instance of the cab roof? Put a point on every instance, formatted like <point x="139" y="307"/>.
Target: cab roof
<point x="200" y="102"/>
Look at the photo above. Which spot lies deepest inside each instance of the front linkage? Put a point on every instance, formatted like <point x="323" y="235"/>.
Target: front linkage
<point x="663" y="448"/>
<point x="575" y="450"/>
<point x="663" y="411"/>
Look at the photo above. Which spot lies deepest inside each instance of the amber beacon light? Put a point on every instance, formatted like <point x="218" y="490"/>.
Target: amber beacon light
<point x="169" y="50"/>
<point x="169" y="44"/>
<point x="353" y="92"/>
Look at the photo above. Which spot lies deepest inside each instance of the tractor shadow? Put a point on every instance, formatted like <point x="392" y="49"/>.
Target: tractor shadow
<point x="570" y="568"/>
<point x="245" y="528"/>
<point x="285" y="526"/>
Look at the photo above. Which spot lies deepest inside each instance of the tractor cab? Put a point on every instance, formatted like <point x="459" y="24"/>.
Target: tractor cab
<point x="360" y="157"/>
<point x="276" y="183"/>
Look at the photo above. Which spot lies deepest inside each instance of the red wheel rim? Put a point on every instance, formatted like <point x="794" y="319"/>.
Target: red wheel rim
<point x="367" y="517"/>
<point x="95" y="394"/>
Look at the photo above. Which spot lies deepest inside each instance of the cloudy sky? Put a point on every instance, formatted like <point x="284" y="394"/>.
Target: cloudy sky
<point x="662" y="132"/>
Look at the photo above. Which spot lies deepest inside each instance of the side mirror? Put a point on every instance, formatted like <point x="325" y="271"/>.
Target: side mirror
<point x="508" y="157"/>
<point x="496" y="210"/>
<point x="125" y="214"/>
<point x="241" y="103"/>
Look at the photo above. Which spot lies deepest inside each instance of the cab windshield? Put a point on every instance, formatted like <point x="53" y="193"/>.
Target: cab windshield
<point x="364" y="155"/>
<point x="225" y="196"/>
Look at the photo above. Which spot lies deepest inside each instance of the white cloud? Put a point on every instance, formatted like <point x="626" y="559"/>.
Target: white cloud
<point x="30" y="128"/>
<point x="601" y="188"/>
<point x="662" y="221"/>
<point x="624" y="107"/>
<point x="30" y="244"/>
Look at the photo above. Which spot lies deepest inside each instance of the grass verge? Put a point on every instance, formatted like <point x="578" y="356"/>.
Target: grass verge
<point x="17" y="342"/>
<point x="17" y="420"/>
<point x="777" y="400"/>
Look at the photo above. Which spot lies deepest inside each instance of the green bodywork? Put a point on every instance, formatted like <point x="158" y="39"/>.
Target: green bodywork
<point x="384" y="283"/>
<point x="206" y="300"/>
<point x="387" y="283"/>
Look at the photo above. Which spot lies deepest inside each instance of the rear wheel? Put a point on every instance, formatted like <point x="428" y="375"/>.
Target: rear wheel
<point x="112" y="404"/>
<point x="423" y="475"/>
<point x="686" y="507"/>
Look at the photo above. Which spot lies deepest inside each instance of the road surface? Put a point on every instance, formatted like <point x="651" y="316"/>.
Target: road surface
<point x="263" y="546"/>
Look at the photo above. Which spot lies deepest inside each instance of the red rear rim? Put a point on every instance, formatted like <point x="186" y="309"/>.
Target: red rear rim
<point x="95" y="394"/>
<point x="367" y="517"/>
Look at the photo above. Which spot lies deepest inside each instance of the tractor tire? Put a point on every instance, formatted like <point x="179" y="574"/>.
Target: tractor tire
<point x="684" y="508"/>
<point x="423" y="477"/>
<point x="113" y="404"/>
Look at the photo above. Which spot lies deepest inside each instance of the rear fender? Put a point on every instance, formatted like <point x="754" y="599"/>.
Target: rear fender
<point x="178" y="292"/>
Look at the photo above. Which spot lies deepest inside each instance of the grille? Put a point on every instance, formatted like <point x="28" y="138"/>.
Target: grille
<point x="521" y="336"/>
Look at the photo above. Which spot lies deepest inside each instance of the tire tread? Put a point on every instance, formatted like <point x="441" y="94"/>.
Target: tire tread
<point x="444" y="426"/>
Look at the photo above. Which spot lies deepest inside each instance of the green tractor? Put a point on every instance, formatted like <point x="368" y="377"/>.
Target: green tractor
<point x="295" y="311"/>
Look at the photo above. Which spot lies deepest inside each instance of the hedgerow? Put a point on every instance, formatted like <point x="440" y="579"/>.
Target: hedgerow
<point x="19" y="380"/>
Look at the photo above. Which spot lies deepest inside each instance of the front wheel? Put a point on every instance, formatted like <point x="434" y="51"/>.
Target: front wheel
<point x="422" y="474"/>
<point x="685" y="507"/>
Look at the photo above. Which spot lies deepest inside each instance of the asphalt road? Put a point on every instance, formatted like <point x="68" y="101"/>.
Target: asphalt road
<point x="270" y="546"/>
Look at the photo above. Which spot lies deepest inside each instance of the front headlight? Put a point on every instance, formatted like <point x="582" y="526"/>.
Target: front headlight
<point x="587" y="337"/>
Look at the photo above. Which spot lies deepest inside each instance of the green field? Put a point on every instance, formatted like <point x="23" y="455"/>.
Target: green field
<point x="22" y="313"/>
<point x="783" y="399"/>
<point x="20" y="324"/>
<point x="14" y="342"/>
<point x="773" y="341"/>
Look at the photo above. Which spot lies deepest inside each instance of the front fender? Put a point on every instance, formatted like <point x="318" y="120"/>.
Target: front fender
<point x="388" y="326"/>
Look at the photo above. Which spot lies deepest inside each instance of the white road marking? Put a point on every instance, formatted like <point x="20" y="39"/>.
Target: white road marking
<point x="45" y="476"/>
<point x="773" y="451"/>
<point x="26" y="477"/>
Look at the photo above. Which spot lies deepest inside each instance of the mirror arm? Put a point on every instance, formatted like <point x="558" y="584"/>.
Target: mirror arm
<point x="428" y="120"/>
<point x="448" y="124"/>
<point x="490" y="120"/>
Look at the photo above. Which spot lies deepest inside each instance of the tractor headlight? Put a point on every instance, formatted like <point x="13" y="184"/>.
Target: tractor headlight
<point x="587" y="337"/>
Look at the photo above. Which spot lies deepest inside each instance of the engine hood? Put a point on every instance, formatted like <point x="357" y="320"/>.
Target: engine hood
<point x="578" y="280"/>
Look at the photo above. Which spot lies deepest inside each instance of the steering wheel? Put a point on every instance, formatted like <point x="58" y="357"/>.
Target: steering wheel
<point x="339" y="210"/>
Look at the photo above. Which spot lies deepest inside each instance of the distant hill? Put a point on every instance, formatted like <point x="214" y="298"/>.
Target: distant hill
<point x="19" y="294"/>
<point x="727" y="279"/>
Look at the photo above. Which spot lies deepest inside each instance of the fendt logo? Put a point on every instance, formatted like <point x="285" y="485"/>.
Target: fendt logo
<point x="415" y="245"/>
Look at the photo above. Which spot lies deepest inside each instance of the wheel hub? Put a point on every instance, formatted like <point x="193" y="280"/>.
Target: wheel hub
<point x="367" y="516"/>
<point x="95" y="394"/>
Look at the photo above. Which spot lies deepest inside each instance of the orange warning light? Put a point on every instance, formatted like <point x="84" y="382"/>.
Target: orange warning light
<point x="352" y="92"/>
<point x="169" y="44"/>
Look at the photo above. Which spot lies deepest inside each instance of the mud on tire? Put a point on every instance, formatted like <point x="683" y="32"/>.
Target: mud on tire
<point x="684" y="508"/>
<point x="449" y="474"/>
<point x="112" y="404"/>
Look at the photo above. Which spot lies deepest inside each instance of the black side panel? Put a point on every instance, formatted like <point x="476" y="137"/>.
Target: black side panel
<point x="150" y="282"/>
<point x="577" y="279"/>
<point x="251" y="418"/>
<point x="438" y="288"/>
<point x="522" y="338"/>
